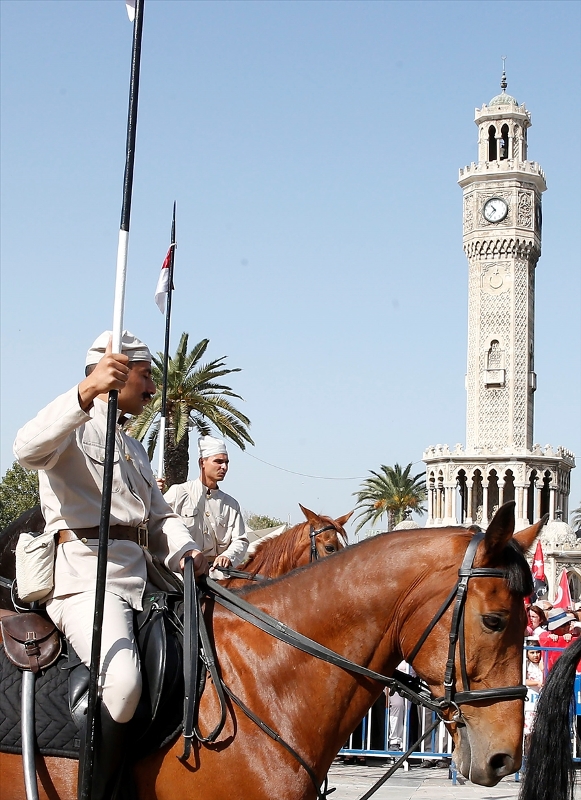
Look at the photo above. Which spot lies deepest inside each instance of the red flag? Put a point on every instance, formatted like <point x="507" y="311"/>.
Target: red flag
<point x="539" y="564"/>
<point x="162" y="287"/>
<point x="563" y="598"/>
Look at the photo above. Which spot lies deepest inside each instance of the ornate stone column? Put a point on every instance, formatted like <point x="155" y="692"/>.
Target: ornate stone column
<point x="526" y="504"/>
<point x="430" y="520"/>
<point x="521" y="520"/>
<point x="485" y="502"/>
<point x="452" y="492"/>
<point x="538" y="499"/>
<point x="500" y="493"/>
<point x="469" y="520"/>
<point x="552" y="492"/>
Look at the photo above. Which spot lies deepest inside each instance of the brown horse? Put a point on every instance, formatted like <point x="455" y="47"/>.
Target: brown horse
<point x="370" y="603"/>
<point x="316" y="538"/>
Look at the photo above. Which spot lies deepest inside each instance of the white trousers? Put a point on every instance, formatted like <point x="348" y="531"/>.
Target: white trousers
<point x="396" y="717"/>
<point x="120" y="676"/>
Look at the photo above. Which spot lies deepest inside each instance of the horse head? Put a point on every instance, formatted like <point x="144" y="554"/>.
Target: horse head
<point x="487" y="734"/>
<point x="324" y="536"/>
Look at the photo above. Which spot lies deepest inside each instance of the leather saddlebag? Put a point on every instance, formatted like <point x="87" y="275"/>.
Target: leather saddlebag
<point x="31" y="641"/>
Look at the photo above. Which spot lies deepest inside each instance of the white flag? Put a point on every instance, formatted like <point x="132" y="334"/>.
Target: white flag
<point x="130" y="6"/>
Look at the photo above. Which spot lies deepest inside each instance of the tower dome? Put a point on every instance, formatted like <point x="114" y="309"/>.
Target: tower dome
<point x="558" y="535"/>
<point x="503" y="99"/>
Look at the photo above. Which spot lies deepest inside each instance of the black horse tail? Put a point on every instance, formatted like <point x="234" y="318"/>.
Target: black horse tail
<point x="549" y="773"/>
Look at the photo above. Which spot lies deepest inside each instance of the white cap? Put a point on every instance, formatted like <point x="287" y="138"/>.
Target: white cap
<point x="131" y="346"/>
<point x="209" y="446"/>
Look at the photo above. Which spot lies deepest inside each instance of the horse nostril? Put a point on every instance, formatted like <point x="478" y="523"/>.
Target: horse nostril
<point x="502" y="764"/>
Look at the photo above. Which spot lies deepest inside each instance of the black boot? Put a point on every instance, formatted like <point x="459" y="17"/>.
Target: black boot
<point x="108" y="758"/>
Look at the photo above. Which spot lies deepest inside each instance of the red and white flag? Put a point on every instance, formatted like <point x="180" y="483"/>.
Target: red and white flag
<point x="563" y="598"/>
<point x="163" y="287"/>
<point x="539" y="564"/>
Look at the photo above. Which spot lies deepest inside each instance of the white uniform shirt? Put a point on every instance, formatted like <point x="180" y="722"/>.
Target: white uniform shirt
<point x="67" y="446"/>
<point x="213" y="519"/>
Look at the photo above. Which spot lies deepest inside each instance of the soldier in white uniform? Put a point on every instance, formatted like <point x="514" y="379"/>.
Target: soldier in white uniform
<point x="65" y="442"/>
<point x="212" y="517"/>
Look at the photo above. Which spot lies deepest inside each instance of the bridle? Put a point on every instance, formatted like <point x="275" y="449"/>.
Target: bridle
<point x="457" y="637"/>
<point x="314" y="556"/>
<point x="412" y="688"/>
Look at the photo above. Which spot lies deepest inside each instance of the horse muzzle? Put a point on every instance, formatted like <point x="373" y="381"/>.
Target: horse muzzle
<point x="484" y="767"/>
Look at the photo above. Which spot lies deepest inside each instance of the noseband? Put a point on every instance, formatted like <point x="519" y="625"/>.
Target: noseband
<point x="451" y="697"/>
<point x="312" y="534"/>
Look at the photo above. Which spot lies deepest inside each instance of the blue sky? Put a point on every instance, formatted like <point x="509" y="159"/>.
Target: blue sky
<point x="313" y="150"/>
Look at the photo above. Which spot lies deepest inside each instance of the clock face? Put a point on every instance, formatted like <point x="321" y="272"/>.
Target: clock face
<point x="495" y="209"/>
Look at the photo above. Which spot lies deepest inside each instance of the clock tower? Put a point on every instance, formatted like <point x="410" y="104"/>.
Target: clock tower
<point x="502" y="218"/>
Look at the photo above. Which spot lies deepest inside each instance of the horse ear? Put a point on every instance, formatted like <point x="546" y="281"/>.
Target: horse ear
<point x="500" y="530"/>
<point x="526" y="538"/>
<point x="345" y="518"/>
<point x="312" y="518"/>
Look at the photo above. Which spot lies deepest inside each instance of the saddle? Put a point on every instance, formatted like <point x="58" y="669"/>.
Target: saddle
<point x="62" y="681"/>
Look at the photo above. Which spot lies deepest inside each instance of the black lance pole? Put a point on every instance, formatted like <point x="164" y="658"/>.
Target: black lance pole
<point x="161" y="439"/>
<point x="86" y="768"/>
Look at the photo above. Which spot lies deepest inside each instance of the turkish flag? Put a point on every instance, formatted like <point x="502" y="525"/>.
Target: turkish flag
<point x="163" y="286"/>
<point x="538" y="570"/>
<point x="563" y="598"/>
<point x="539" y="563"/>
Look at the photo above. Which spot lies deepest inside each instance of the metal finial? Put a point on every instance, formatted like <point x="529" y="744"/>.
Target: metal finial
<point x="503" y="83"/>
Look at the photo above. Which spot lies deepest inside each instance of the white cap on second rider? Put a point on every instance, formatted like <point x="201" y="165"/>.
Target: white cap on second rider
<point x="210" y="446"/>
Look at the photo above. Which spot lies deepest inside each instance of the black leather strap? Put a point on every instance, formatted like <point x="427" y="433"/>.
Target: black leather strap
<point x="230" y="572"/>
<point x="191" y="655"/>
<point x="277" y="738"/>
<point x="210" y="663"/>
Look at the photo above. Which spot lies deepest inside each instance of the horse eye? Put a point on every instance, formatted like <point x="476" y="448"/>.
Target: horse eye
<point x="329" y="548"/>
<point x="493" y="622"/>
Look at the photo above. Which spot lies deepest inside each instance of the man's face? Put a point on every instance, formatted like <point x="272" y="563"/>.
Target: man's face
<point x="562" y="629"/>
<point x="138" y="390"/>
<point x="214" y="468"/>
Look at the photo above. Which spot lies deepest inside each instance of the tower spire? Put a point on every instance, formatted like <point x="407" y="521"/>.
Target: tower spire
<point x="503" y="82"/>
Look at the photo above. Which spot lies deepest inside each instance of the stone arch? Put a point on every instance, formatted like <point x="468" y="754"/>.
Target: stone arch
<point x="531" y="495"/>
<point x="508" y="493"/>
<point x="462" y="490"/>
<point x="492" y="144"/>
<point x="574" y="581"/>
<point x="492" y="503"/>
<point x="504" y="153"/>
<point x="477" y="494"/>
<point x="547" y="479"/>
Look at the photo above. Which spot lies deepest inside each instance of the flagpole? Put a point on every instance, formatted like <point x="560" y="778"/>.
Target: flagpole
<point x="161" y="435"/>
<point x="86" y="767"/>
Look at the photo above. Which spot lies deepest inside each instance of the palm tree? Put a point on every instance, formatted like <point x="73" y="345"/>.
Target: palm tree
<point x="194" y="401"/>
<point x="390" y="491"/>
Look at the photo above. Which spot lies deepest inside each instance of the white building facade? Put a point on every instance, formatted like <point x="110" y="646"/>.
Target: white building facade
<point x="502" y="225"/>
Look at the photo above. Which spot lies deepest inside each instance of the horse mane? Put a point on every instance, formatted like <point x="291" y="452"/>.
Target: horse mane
<point x="518" y="573"/>
<point x="271" y="552"/>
